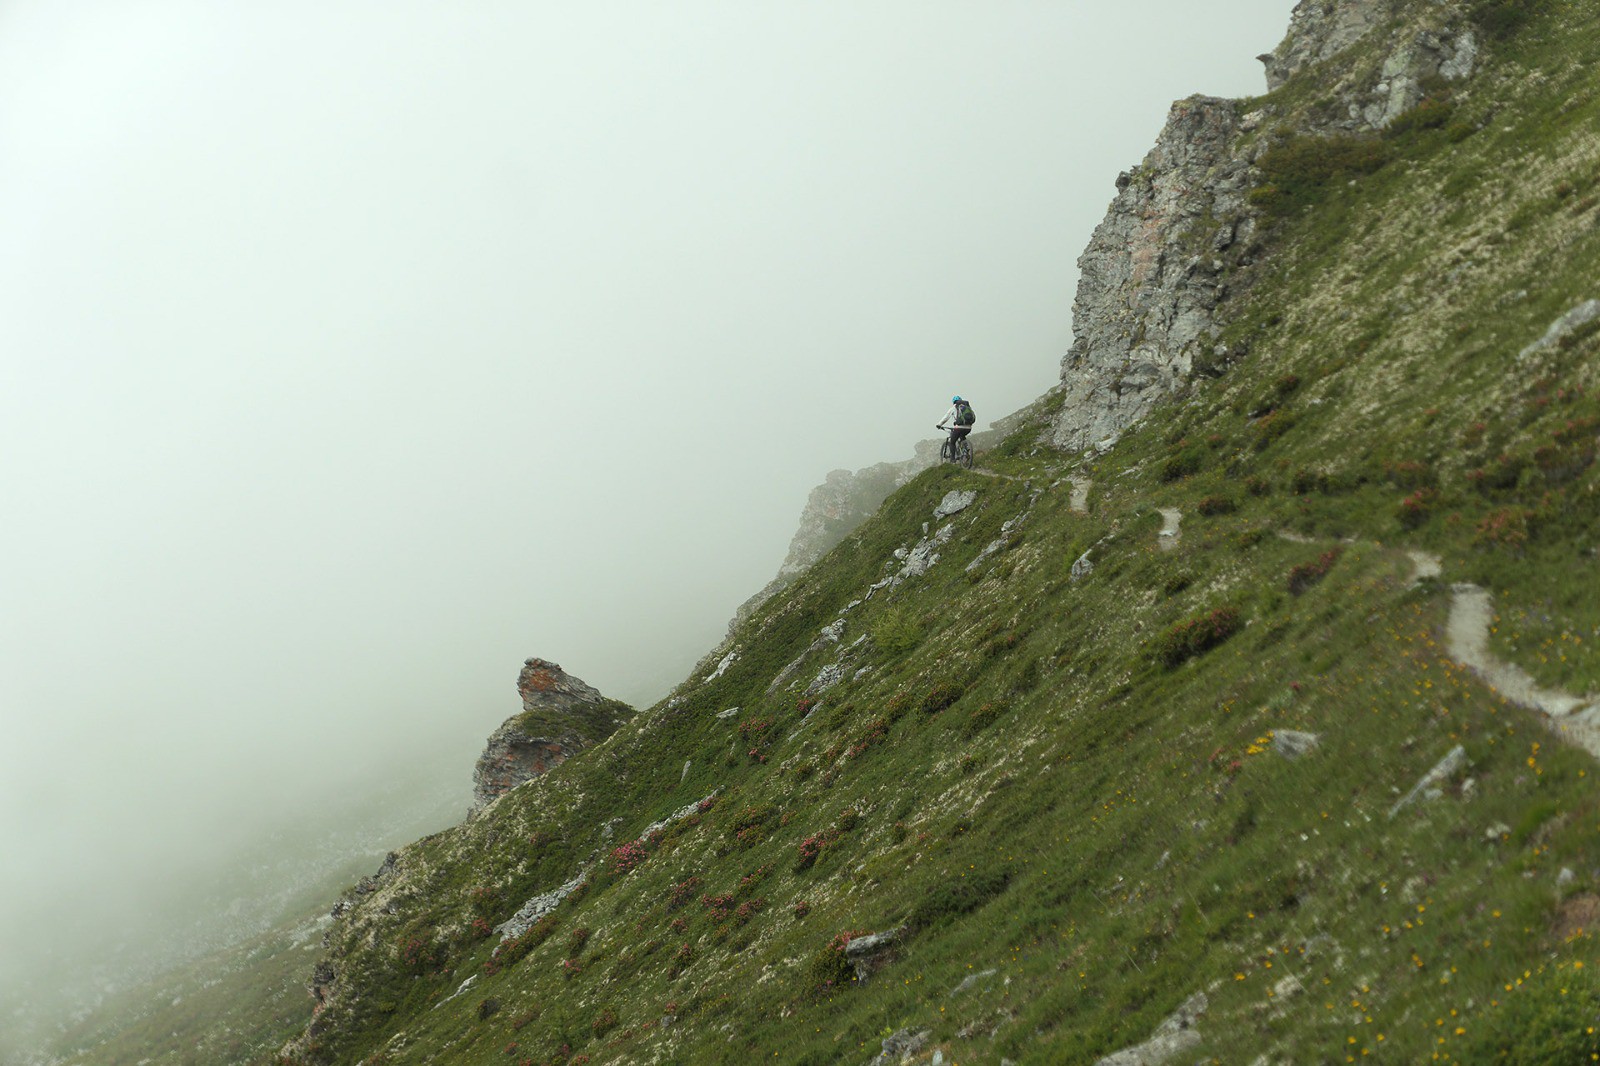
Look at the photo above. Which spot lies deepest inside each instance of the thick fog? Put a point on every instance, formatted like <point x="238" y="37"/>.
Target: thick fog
<point x="352" y="352"/>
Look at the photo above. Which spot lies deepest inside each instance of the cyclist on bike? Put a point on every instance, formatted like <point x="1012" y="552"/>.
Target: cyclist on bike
<point x="958" y="420"/>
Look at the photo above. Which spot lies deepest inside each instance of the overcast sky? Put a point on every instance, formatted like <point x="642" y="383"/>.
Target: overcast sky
<point x="352" y="352"/>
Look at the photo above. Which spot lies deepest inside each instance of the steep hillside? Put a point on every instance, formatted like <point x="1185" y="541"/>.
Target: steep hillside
<point x="1260" y="729"/>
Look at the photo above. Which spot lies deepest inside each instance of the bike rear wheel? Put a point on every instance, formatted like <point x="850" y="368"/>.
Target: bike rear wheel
<point x="964" y="453"/>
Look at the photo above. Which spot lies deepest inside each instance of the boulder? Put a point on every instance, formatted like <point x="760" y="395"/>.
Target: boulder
<point x="561" y="715"/>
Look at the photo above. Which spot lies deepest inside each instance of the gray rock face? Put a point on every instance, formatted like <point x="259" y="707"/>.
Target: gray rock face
<point x="1155" y="274"/>
<point x="1450" y="54"/>
<point x="1152" y="276"/>
<point x="561" y="715"/>
<point x="1320" y="29"/>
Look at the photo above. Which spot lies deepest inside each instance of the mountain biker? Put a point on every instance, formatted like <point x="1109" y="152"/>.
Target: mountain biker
<point x="958" y="420"/>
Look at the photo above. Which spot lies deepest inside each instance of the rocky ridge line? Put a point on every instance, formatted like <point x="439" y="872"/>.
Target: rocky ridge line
<point x="1181" y="235"/>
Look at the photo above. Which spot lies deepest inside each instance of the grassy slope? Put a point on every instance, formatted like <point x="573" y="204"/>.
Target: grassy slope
<point x="1019" y="780"/>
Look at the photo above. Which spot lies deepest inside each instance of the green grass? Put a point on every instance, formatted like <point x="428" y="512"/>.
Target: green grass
<point x="1075" y="784"/>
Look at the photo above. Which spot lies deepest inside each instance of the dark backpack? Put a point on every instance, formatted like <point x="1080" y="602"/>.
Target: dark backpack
<point x="964" y="415"/>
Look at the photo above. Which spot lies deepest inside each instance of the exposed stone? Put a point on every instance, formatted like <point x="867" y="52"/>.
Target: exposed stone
<point x="1497" y="832"/>
<point x="1319" y="30"/>
<point x="722" y="667"/>
<point x="869" y="952"/>
<point x="1082" y="567"/>
<point x="538" y="907"/>
<point x="901" y="1046"/>
<point x="955" y="501"/>
<point x="561" y="716"/>
<point x="828" y="677"/>
<point x="1143" y="317"/>
<point x="1561" y="328"/>
<point x="1442" y="771"/>
<point x="972" y="980"/>
<point x="1292" y="744"/>
<point x="1172" y="1037"/>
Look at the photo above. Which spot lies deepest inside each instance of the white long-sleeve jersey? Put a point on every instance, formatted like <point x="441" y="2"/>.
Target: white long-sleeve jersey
<point x="949" y="419"/>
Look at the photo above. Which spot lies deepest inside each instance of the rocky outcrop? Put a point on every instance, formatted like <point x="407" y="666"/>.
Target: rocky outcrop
<point x="845" y="499"/>
<point x="1321" y="29"/>
<point x="561" y="715"/>
<point x="1437" y="44"/>
<point x="1159" y="268"/>
<point x="1154" y="273"/>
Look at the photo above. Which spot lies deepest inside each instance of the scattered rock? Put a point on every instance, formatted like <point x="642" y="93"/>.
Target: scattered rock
<point x="955" y="501"/>
<point x="1292" y="744"/>
<point x="1442" y="771"/>
<point x="722" y="667"/>
<point x="1172" y="1037"/>
<point x="972" y="980"/>
<point x="731" y="712"/>
<point x="870" y="952"/>
<point x="1565" y="877"/>
<point x="1497" y="832"/>
<point x="826" y="678"/>
<point x="1561" y="328"/>
<point x="901" y="1046"/>
<point x="1289" y="986"/>
<point x="1082" y="567"/>
<point x="539" y="906"/>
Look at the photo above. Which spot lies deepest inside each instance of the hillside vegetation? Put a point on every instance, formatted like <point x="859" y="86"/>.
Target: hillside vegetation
<point x="1086" y="761"/>
<point x="1077" y="797"/>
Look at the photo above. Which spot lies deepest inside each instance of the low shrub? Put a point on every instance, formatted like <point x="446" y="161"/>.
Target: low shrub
<point x="1187" y="460"/>
<point x="896" y="631"/>
<point x="1305" y="575"/>
<point x="1415" y="510"/>
<point x="954" y="897"/>
<point x="511" y="952"/>
<point x="1298" y="171"/>
<point x="1270" y="427"/>
<point x="828" y="969"/>
<point x="1410" y="474"/>
<point x="940" y="696"/>
<point x="1196" y="635"/>
<point x="1507" y="528"/>
<point x="1215" y="505"/>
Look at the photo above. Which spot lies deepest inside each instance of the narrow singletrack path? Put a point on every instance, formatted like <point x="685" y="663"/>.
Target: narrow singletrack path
<point x="1170" y="534"/>
<point x="1577" y="718"/>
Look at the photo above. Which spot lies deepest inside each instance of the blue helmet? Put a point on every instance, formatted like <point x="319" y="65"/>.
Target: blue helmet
<point x="955" y="399"/>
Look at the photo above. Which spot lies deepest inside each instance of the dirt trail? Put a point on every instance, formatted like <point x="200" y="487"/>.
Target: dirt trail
<point x="1577" y="718"/>
<point x="1080" y="486"/>
<point x="1170" y="534"/>
<point x="1080" y="494"/>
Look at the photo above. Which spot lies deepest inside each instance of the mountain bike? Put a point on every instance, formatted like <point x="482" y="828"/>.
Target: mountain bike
<point x="955" y="451"/>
